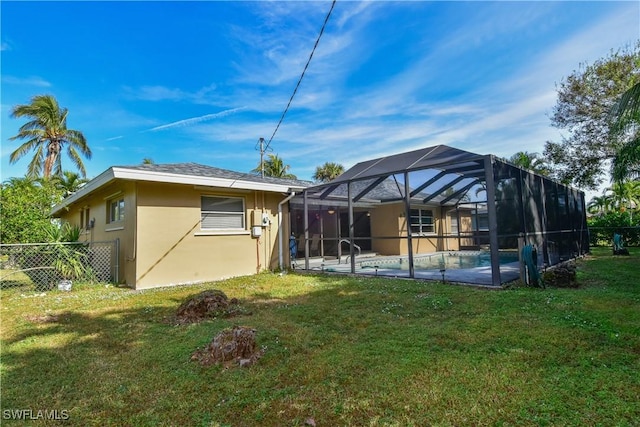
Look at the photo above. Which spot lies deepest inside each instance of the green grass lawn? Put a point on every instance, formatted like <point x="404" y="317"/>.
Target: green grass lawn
<point x="340" y="350"/>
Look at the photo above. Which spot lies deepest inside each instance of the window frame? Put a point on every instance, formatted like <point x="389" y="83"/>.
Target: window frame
<point x="453" y="216"/>
<point x="242" y="214"/>
<point x="116" y="215"/>
<point x="422" y="224"/>
<point x="481" y="221"/>
<point x="85" y="219"/>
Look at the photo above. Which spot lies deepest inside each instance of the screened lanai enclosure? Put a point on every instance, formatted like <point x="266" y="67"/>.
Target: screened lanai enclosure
<point x="437" y="213"/>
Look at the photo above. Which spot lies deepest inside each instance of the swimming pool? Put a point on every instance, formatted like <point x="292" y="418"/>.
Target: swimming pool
<point x="448" y="260"/>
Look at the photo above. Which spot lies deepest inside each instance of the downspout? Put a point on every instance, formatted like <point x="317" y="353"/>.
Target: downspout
<point x="280" y="251"/>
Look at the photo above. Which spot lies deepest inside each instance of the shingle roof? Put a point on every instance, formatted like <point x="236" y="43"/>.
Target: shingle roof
<point x="185" y="173"/>
<point x="196" y="169"/>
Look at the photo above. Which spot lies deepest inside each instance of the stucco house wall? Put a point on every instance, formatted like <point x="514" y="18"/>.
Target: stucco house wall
<point x="172" y="247"/>
<point x="155" y="214"/>
<point x="95" y="208"/>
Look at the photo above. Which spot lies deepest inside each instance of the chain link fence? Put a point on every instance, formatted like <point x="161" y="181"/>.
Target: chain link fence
<point x="45" y="266"/>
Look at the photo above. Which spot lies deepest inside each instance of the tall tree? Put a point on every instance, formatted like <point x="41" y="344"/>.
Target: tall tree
<point x="531" y="161"/>
<point x="585" y="100"/>
<point x="328" y="172"/>
<point x="626" y="120"/>
<point x="274" y="166"/>
<point x="47" y="134"/>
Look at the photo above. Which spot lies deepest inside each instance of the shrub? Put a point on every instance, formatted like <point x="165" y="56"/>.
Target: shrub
<point x="626" y="223"/>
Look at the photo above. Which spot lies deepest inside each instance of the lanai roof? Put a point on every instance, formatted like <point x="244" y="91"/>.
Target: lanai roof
<point x="439" y="175"/>
<point x="439" y="157"/>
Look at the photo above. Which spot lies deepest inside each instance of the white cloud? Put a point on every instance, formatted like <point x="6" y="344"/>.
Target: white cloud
<point x="26" y="81"/>
<point x="163" y="93"/>
<point x="196" y="120"/>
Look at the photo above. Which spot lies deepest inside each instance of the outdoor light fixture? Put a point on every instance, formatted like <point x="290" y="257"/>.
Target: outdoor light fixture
<point x="331" y="211"/>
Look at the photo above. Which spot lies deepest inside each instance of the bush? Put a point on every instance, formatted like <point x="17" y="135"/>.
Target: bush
<point x="25" y="208"/>
<point x="625" y="223"/>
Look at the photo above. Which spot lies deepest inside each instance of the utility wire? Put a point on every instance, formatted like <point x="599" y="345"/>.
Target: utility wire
<point x="302" y="75"/>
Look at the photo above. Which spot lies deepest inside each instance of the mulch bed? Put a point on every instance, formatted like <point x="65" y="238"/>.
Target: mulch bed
<point x="561" y="276"/>
<point x="231" y="347"/>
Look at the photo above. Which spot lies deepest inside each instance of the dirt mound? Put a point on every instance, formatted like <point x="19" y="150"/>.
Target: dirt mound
<point x="562" y="276"/>
<point x="207" y="305"/>
<point x="235" y="346"/>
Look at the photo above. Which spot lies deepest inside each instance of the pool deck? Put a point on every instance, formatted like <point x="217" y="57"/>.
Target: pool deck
<point x="475" y="276"/>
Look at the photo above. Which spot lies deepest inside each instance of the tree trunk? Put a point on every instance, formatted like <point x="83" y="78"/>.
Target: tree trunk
<point x="53" y="150"/>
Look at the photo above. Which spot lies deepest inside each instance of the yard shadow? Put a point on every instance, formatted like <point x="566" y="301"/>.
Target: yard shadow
<point x="115" y="364"/>
<point x="68" y="360"/>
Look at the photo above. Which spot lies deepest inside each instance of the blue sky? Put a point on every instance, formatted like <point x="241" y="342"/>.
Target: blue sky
<point x="203" y="81"/>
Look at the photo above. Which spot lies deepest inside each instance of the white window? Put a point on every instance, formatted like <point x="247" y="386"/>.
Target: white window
<point x="421" y="221"/>
<point x="116" y="210"/>
<point x="453" y="220"/>
<point x="222" y="213"/>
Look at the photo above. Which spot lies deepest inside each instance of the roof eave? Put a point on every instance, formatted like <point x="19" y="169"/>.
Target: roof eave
<point x="151" y="176"/>
<point x="101" y="180"/>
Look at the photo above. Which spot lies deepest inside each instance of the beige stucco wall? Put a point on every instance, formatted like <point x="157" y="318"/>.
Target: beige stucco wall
<point x="172" y="249"/>
<point x="388" y="221"/>
<point x="160" y="238"/>
<point x="124" y="231"/>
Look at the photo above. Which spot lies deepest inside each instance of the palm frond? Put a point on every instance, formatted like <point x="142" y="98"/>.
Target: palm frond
<point x="75" y="158"/>
<point x="58" y="165"/>
<point x="630" y="101"/>
<point x="77" y="140"/>
<point x="19" y="152"/>
<point x="36" y="163"/>
<point x="626" y="163"/>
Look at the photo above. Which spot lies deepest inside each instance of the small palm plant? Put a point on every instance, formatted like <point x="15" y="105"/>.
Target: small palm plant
<point x="64" y="258"/>
<point x="70" y="257"/>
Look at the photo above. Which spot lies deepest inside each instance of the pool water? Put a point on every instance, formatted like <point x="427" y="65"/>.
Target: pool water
<point x="450" y="261"/>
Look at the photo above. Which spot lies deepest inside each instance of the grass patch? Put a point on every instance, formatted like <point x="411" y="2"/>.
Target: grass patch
<point x="340" y="350"/>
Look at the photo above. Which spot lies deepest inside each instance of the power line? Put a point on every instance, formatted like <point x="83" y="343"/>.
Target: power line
<point x="302" y="75"/>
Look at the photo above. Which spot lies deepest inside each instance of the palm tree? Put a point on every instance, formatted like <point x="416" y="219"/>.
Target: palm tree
<point x="599" y="205"/>
<point x="530" y="161"/>
<point x="148" y="161"/>
<point x="274" y="167"/>
<point x="47" y="134"/>
<point x="69" y="182"/>
<point x="328" y="172"/>
<point x="626" y="119"/>
<point x="624" y="195"/>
